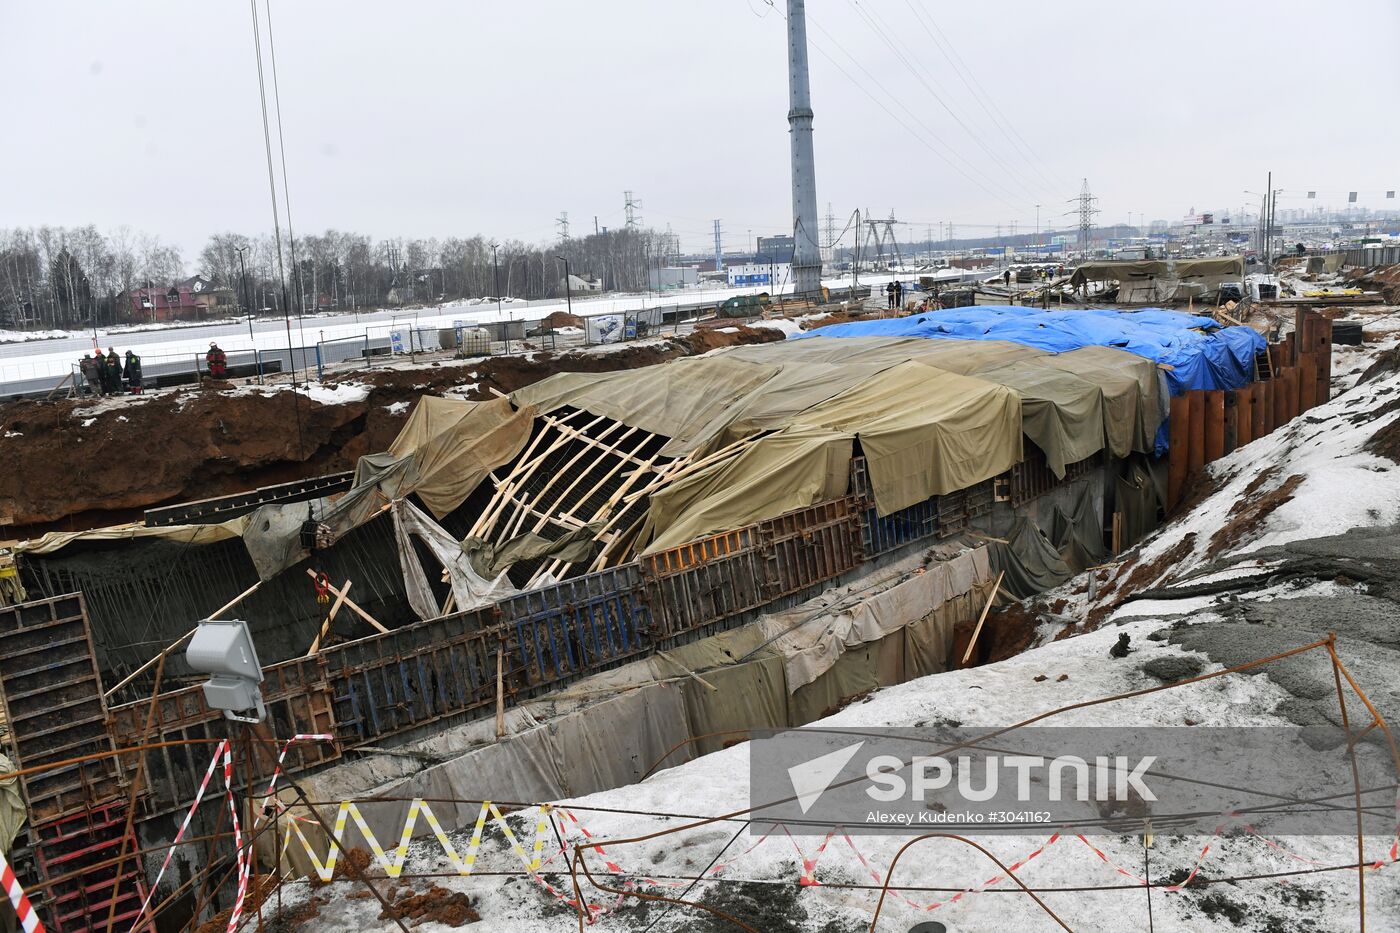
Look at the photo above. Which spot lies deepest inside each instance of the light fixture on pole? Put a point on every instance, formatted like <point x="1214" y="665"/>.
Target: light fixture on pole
<point x="225" y="651"/>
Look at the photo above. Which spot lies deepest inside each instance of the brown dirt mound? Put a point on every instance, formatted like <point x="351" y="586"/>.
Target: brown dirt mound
<point x="436" y="905"/>
<point x="562" y="319"/>
<point x="1386" y="441"/>
<point x="1142" y="575"/>
<point x="199" y="443"/>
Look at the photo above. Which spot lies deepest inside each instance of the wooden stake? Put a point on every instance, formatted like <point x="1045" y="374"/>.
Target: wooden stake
<point x="1117" y="533"/>
<point x="351" y="603"/>
<point x="972" y="642"/>
<point x="330" y="617"/>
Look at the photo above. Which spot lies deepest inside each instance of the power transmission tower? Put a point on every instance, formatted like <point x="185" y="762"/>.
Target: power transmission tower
<point x="562" y="222"/>
<point x="630" y="208"/>
<point x="719" y="249"/>
<point x="1086" y="211"/>
<point x="829" y="247"/>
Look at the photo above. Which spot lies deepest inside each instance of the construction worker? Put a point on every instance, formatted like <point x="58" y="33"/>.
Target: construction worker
<point x="1006" y="278"/>
<point x="217" y="360"/>
<point x="113" y="369"/>
<point x="91" y="367"/>
<point x="889" y="295"/>
<point x="899" y="295"/>
<point x="132" y="372"/>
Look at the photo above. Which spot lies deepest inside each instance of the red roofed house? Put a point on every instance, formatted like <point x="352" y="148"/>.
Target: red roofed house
<point x="193" y="299"/>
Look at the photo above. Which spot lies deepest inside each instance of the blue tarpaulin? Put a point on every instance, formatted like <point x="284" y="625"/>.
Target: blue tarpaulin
<point x="1200" y="353"/>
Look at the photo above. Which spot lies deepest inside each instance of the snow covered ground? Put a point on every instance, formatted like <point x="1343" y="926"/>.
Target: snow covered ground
<point x="756" y="877"/>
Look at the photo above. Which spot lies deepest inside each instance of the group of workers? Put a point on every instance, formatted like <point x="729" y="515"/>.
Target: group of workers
<point x="109" y="375"/>
<point x="894" y="292"/>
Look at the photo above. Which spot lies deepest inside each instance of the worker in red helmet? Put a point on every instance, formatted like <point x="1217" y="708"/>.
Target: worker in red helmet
<point x="217" y="360"/>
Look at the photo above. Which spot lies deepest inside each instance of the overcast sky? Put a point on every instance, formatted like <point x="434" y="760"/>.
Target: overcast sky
<point x="420" y="118"/>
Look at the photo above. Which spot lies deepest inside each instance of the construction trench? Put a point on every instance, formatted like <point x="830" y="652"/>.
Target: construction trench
<point x="554" y="585"/>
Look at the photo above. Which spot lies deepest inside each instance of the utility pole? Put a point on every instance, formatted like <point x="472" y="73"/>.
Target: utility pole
<point x="719" y="248"/>
<point x="806" y="257"/>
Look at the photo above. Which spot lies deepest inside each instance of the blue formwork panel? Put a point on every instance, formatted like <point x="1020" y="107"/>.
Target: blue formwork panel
<point x="882" y="534"/>
<point x="574" y="626"/>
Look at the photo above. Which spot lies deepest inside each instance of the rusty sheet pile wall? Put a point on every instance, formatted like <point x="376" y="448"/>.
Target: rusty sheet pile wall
<point x="1205" y="425"/>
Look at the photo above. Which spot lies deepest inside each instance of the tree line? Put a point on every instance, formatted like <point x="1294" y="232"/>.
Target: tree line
<point x="73" y="277"/>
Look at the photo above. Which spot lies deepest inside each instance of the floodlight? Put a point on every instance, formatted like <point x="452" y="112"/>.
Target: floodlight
<point x="225" y="650"/>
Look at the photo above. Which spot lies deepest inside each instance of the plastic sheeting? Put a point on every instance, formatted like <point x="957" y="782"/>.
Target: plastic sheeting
<point x="181" y="534"/>
<point x="469" y="588"/>
<point x="454" y="444"/>
<point x="1030" y="561"/>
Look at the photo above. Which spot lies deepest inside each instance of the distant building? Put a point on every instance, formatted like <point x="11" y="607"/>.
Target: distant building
<point x="673" y="276"/>
<point x="193" y="299"/>
<point x="780" y="245"/>
<point x="582" y="284"/>
<point x="769" y="271"/>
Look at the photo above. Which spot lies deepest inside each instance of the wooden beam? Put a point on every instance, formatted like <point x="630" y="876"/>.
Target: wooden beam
<point x="972" y="642"/>
<point x="330" y="617"/>
<point x="330" y="587"/>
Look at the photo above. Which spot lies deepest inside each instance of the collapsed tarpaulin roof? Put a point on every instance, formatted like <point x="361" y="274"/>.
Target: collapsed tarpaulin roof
<point x="932" y="417"/>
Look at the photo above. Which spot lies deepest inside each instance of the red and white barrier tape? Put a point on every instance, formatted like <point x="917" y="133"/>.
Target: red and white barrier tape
<point x="170" y="852"/>
<point x="28" y="917"/>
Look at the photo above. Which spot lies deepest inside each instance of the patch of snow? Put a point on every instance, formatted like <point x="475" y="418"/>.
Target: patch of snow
<point x="787" y="327"/>
<point x="398" y="408"/>
<point x="340" y="394"/>
<point x="89" y="422"/>
<point x="14" y="434"/>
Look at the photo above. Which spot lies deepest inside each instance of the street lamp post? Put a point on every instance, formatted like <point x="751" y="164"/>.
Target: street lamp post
<point x="496" y="266"/>
<point x="568" y="291"/>
<point x="248" y="308"/>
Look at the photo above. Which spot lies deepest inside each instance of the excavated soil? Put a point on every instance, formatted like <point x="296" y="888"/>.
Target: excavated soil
<point x="74" y="464"/>
<point x="436" y="905"/>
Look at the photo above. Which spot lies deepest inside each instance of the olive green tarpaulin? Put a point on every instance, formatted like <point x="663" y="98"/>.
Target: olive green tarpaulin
<point x="925" y="431"/>
<point x="1216" y="267"/>
<point x="573" y="547"/>
<point x="454" y="444"/>
<point x="676" y="400"/>
<point x="776" y="474"/>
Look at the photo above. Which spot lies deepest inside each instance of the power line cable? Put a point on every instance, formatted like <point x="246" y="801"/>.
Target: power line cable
<point x="979" y="93"/>
<point x="276" y="223"/>
<point x="287" y="194"/>
<point x="902" y="123"/>
<point x="883" y="31"/>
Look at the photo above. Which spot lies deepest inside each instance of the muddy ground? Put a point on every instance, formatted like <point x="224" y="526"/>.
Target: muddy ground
<point x="75" y="464"/>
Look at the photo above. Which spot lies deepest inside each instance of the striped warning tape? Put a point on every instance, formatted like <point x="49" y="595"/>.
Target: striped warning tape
<point x="393" y="863"/>
<point x="28" y="917"/>
<point x="170" y="852"/>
